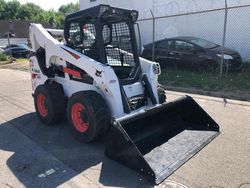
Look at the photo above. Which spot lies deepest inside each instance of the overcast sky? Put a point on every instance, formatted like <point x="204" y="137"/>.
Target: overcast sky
<point x="49" y="4"/>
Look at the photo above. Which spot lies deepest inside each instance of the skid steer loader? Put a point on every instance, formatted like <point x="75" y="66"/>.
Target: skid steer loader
<point x="97" y="78"/>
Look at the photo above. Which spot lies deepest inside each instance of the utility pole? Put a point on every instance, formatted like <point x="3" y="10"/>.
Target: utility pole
<point x="224" y="39"/>
<point x="153" y="46"/>
<point x="9" y="35"/>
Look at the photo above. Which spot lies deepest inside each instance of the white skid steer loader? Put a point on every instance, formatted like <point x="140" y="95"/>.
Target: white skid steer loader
<point x="97" y="78"/>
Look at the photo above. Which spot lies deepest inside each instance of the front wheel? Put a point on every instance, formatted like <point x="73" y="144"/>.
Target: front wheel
<point x="88" y="115"/>
<point x="210" y="66"/>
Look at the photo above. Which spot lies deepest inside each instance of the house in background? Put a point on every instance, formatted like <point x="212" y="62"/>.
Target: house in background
<point x="19" y="30"/>
<point x="199" y="18"/>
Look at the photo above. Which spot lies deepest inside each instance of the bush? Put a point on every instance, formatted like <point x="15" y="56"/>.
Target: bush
<point x="246" y="65"/>
<point x="3" y="57"/>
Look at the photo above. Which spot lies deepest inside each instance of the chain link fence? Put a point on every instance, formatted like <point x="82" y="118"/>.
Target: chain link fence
<point x="223" y="22"/>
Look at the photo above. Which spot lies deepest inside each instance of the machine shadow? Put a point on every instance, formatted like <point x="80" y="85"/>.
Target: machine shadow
<point x="58" y="141"/>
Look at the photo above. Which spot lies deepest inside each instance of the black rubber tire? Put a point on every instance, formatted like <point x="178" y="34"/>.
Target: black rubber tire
<point x="54" y="103"/>
<point x="27" y="56"/>
<point x="161" y="94"/>
<point x="96" y="114"/>
<point x="210" y="66"/>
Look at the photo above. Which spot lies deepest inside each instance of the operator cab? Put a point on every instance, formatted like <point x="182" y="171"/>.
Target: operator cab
<point x="106" y="34"/>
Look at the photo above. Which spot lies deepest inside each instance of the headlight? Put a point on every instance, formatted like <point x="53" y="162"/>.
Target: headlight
<point x="226" y="57"/>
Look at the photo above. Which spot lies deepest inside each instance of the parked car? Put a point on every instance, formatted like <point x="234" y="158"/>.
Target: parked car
<point x="16" y="46"/>
<point x="17" y="51"/>
<point x="192" y="52"/>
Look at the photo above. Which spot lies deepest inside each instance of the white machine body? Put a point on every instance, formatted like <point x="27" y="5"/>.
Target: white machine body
<point x="106" y="83"/>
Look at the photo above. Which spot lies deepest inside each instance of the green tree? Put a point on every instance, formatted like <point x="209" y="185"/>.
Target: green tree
<point x="32" y="12"/>
<point x="52" y="17"/>
<point x="69" y="8"/>
<point x="2" y="9"/>
<point x="11" y="10"/>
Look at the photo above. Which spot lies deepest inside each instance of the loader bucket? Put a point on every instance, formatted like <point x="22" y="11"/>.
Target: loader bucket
<point x="157" y="142"/>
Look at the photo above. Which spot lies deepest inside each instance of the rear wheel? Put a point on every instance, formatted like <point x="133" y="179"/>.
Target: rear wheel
<point x="88" y="115"/>
<point x="50" y="103"/>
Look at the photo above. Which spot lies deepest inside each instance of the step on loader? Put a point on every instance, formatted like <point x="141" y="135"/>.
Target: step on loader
<point x="96" y="77"/>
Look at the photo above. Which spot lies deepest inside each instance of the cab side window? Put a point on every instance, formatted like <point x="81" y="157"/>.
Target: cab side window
<point x="89" y="35"/>
<point x="74" y="33"/>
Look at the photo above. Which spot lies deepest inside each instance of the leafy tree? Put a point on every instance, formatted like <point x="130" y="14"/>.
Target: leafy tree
<point x="2" y="8"/>
<point x="11" y="9"/>
<point x="69" y="8"/>
<point x="32" y="12"/>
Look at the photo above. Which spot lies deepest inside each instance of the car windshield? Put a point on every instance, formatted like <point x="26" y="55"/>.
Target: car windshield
<point x="204" y="43"/>
<point x="23" y="46"/>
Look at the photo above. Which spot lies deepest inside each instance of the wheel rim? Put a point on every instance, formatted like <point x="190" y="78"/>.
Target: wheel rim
<point x="43" y="111"/>
<point x="79" y="117"/>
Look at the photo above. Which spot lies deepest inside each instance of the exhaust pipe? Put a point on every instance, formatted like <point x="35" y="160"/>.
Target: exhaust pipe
<point x="159" y="141"/>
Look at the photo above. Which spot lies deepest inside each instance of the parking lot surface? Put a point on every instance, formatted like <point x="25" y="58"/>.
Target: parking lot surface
<point x="35" y="155"/>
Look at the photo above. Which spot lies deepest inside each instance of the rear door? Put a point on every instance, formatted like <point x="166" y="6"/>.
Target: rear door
<point x="185" y="53"/>
<point x="162" y="49"/>
<point x="15" y="52"/>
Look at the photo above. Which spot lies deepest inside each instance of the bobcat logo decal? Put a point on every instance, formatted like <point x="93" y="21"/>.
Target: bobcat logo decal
<point x="98" y="73"/>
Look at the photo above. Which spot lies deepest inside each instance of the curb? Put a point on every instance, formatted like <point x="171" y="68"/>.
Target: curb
<point x="219" y="94"/>
<point x="223" y="97"/>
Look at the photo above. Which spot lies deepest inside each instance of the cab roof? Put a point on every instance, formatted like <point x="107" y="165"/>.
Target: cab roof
<point x="105" y="12"/>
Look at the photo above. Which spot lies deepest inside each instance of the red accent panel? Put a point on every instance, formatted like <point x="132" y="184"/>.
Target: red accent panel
<point x="72" y="72"/>
<point x="73" y="54"/>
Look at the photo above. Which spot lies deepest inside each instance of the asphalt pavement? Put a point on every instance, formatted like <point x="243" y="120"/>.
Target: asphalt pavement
<point x="35" y="155"/>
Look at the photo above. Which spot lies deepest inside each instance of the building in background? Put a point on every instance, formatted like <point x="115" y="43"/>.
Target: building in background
<point x="199" y="18"/>
<point x="19" y="30"/>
